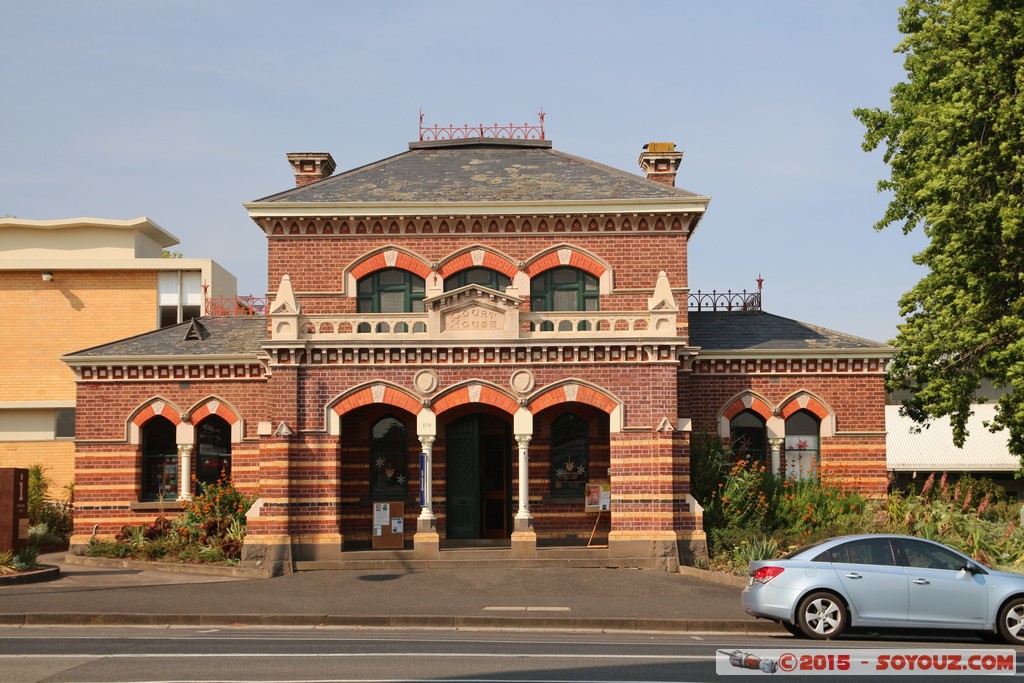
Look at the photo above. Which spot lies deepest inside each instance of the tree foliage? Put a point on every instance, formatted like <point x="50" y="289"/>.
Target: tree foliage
<point x="954" y="141"/>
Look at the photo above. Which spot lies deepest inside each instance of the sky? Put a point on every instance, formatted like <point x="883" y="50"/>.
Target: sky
<point x="183" y="110"/>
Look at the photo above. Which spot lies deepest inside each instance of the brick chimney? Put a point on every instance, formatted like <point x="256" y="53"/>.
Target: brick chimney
<point x="311" y="166"/>
<point x="660" y="161"/>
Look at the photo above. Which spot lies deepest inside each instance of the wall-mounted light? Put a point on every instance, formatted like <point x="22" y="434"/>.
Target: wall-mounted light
<point x="47" y="276"/>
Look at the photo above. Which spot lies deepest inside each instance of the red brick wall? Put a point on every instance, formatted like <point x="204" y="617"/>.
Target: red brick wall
<point x="317" y="264"/>
<point x="855" y="454"/>
<point x="108" y="469"/>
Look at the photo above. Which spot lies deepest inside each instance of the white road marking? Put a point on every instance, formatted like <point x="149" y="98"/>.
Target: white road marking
<point x="527" y="609"/>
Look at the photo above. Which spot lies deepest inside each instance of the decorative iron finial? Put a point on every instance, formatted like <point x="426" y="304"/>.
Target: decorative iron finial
<point x="760" y="281"/>
<point x="497" y="131"/>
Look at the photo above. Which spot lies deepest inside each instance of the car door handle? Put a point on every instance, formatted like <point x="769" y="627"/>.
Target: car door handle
<point x="922" y="582"/>
<point x="853" y="575"/>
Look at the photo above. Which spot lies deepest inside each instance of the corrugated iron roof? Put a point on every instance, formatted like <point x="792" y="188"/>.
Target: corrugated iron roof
<point x="932" y="449"/>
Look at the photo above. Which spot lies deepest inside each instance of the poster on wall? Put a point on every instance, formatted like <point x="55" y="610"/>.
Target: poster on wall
<point x="381" y="514"/>
<point x="598" y="497"/>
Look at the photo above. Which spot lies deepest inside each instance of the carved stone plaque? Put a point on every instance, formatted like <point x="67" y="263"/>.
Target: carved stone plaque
<point x="473" y="318"/>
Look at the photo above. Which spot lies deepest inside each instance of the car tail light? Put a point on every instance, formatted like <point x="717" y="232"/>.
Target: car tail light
<point x="766" y="574"/>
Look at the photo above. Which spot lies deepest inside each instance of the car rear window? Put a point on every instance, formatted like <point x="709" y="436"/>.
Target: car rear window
<point x="790" y="555"/>
<point x="875" y="551"/>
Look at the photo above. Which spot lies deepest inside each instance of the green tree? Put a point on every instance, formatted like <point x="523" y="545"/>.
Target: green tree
<point x="954" y="141"/>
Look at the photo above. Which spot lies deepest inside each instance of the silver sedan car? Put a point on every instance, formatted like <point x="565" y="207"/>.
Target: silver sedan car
<point x="884" y="581"/>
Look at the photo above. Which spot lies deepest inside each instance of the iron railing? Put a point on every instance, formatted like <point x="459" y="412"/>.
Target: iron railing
<point x="511" y="131"/>
<point x="724" y="301"/>
<point x="236" y="306"/>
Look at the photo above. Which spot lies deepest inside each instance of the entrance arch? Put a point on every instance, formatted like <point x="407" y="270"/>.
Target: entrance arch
<point x="478" y="476"/>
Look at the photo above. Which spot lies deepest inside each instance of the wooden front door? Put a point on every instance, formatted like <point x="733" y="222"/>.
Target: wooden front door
<point x="479" y="476"/>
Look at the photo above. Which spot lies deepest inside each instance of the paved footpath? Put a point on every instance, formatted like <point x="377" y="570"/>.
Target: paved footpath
<point x="620" y="599"/>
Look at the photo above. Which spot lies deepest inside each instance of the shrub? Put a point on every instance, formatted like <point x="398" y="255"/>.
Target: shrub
<point x="58" y="516"/>
<point x="815" y="508"/>
<point x="113" y="549"/>
<point x="38" y="487"/>
<point x="211" y="528"/>
<point x="41" y="535"/>
<point x="26" y="560"/>
<point x="761" y="548"/>
<point x="709" y="463"/>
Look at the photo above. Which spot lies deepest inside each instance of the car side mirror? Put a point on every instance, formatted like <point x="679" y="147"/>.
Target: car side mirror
<point x="973" y="568"/>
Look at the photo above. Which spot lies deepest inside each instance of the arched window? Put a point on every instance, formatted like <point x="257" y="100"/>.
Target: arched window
<point x="389" y="456"/>
<point x="213" y="450"/>
<point x="159" y="460"/>
<point x="570" y="456"/>
<point x="748" y="436"/>
<point x="803" y="454"/>
<point x="564" y="289"/>
<point x="485" y="277"/>
<point x="392" y="290"/>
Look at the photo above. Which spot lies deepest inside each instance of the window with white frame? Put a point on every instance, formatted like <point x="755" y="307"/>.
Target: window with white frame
<point x="803" y="454"/>
<point x="180" y="296"/>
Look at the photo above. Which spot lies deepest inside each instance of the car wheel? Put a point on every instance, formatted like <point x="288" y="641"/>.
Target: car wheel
<point x="1011" y="621"/>
<point x="822" y="616"/>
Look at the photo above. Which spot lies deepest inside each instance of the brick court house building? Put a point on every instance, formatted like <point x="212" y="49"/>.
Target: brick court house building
<point x="482" y="329"/>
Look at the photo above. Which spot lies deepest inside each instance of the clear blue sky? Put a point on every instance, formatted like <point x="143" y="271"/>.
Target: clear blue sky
<point x="181" y="111"/>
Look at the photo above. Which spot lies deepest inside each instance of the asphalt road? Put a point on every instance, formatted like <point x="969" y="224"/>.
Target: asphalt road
<point x="152" y="655"/>
<point x="614" y="594"/>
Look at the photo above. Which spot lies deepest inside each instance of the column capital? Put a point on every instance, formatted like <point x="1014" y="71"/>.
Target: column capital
<point x="427" y="441"/>
<point x="524" y="439"/>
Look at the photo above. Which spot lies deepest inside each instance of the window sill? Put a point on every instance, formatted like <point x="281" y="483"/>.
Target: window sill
<point x="157" y="506"/>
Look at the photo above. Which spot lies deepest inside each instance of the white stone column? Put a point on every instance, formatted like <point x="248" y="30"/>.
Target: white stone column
<point x="776" y="448"/>
<point x="184" y="471"/>
<point x="426" y="542"/>
<point x="427" y="520"/>
<point x="524" y="520"/>
<point x="524" y="538"/>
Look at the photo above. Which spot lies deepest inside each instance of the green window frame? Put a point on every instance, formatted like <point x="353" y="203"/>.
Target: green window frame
<point x="389" y="459"/>
<point x="570" y="456"/>
<point x="486" y="277"/>
<point x="391" y="290"/>
<point x="564" y="289"/>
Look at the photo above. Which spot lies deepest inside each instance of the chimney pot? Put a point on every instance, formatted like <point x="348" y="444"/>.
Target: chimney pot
<point x="660" y="161"/>
<point x="310" y="167"/>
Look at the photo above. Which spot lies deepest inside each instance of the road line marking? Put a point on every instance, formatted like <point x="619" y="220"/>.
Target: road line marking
<point x="349" y="655"/>
<point x="526" y="609"/>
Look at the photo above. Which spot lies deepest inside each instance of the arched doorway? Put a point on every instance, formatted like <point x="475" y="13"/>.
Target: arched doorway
<point x="478" y="455"/>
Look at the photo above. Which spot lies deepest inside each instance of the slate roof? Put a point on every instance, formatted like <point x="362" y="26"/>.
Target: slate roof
<point x="226" y="336"/>
<point x="480" y="170"/>
<point x="757" y="330"/>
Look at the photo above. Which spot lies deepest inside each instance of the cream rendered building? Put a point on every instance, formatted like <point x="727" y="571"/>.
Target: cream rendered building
<point x="72" y="284"/>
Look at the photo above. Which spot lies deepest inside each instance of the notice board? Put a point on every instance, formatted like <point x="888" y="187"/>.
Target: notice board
<point x="388" y="525"/>
<point x="13" y="509"/>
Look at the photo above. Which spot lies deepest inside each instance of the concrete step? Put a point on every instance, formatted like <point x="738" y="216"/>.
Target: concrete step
<point x="466" y="558"/>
